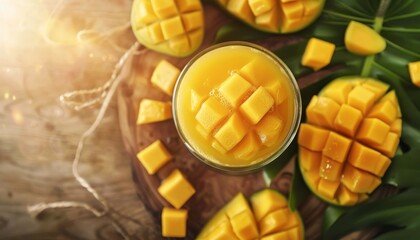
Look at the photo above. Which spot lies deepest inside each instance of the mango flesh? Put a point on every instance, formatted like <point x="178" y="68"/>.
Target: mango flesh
<point x="363" y="40"/>
<point x="268" y="217"/>
<point x="172" y="27"/>
<point x="274" y="15"/>
<point x="352" y="131"/>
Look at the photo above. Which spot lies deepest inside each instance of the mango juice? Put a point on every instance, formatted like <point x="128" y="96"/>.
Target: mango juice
<point x="236" y="106"/>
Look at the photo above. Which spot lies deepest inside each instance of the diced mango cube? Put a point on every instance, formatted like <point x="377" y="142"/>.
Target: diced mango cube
<point x="223" y="231"/>
<point x="154" y="156"/>
<point x="385" y="111"/>
<point x="330" y="169"/>
<point x="328" y="188"/>
<point x="179" y="44"/>
<point x="273" y="221"/>
<point x="145" y="14"/>
<point x="216" y="145"/>
<point x="211" y="113"/>
<point x="338" y="90"/>
<point x="188" y="5"/>
<point x="251" y="72"/>
<point x="391" y="96"/>
<point x="234" y="89"/>
<point x="231" y="133"/>
<point x="361" y="98"/>
<point x="318" y="53"/>
<point x="193" y="20"/>
<point x="373" y="131"/>
<point x="396" y="126"/>
<point x="257" y="105"/>
<point x="247" y="148"/>
<point x="289" y="25"/>
<point x="309" y="160"/>
<point x="337" y="147"/>
<point x="277" y="91"/>
<point x="368" y="159"/>
<point x="292" y="10"/>
<point x="311" y="137"/>
<point x="389" y="146"/>
<point x="259" y="7"/>
<point x="176" y="189"/>
<point x="272" y="201"/>
<point x="241" y="9"/>
<point x="172" y="27"/>
<point x="237" y="205"/>
<point x="359" y="181"/>
<point x="197" y="99"/>
<point x="164" y="8"/>
<point x="414" y="69"/>
<point x="164" y="76"/>
<point x="347" y="120"/>
<point x="363" y="40"/>
<point x="322" y="111"/>
<point x="155" y="33"/>
<point x="174" y="222"/>
<point x="285" y="235"/>
<point x="346" y="197"/>
<point x="269" y="129"/>
<point x="312" y="7"/>
<point x="244" y="226"/>
<point x="153" y="111"/>
<point x="377" y="87"/>
<point x="268" y="20"/>
<point x="195" y="37"/>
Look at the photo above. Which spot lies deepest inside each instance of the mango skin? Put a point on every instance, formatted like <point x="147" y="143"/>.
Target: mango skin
<point x="355" y="143"/>
<point x="277" y="23"/>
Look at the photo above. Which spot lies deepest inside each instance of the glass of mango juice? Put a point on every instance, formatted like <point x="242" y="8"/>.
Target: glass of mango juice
<point x="237" y="107"/>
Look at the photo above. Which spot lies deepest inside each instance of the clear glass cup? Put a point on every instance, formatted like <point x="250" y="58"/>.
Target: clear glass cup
<point x="253" y="167"/>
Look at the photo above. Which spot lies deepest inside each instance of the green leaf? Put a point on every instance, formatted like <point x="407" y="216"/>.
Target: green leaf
<point x="332" y="213"/>
<point x="271" y="170"/>
<point x="400" y="211"/>
<point x="298" y="191"/>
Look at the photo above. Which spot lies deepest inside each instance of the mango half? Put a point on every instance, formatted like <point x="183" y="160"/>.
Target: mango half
<point x="268" y="219"/>
<point x="352" y="131"/>
<point x="276" y="16"/>
<point x="172" y="27"/>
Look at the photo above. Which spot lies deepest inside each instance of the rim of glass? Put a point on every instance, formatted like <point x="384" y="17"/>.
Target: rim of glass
<point x="241" y="170"/>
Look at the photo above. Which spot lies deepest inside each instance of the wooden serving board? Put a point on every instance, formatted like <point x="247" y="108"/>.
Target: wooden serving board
<point x="213" y="189"/>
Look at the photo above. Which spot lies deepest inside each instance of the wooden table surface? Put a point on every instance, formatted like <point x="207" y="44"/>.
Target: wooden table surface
<point x="40" y="59"/>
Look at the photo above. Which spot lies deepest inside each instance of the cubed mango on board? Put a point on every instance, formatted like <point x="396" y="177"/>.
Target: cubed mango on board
<point x="312" y="138"/>
<point x="257" y="105"/>
<point x="173" y="27"/>
<point x="363" y="40"/>
<point x="231" y="133"/>
<point x="414" y="69"/>
<point x="244" y="226"/>
<point x="153" y="111"/>
<point x="272" y="201"/>
<point x="176" y="189"/>
<point x="164" y="76"/>
<point x="234" y="89"/>
<point x="322" y="111"/>
<point x="211" y="113"/>
<point x="154" y="156"/>
<point x="318" y="54"/>
<point x="174" y="222"/>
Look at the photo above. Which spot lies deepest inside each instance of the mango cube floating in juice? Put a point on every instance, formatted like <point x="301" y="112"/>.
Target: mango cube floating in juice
<point x="353" y="129"/>
<point x="173" y="27"/>
<point x="239" y="112"/>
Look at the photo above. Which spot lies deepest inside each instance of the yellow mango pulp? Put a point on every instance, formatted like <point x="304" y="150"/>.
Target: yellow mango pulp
<point x="154" y="156"/>
<point x="414" y="69"/>
<point x="174" y="222"/>
<point x="318" y="54"/>
<point x="363" y="40"/>
<point x="274" y="15"/>
<point x="173" y="27"/>
<point x="234" y="106"/>
<point x="268" y="217"/>
<point x="151" y="111"/>
<point x="352" y="130"/>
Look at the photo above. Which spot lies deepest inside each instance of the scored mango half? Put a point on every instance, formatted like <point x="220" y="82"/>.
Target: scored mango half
<point x="276" y="16"/>
<point x="352" y="131"/>
<point x="172" y="27"/>
<point x="268" y="218"/>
